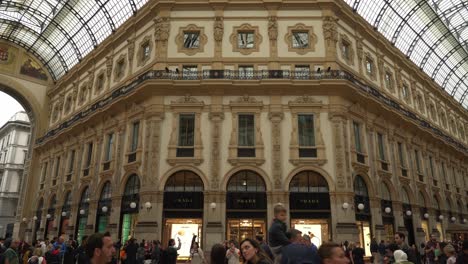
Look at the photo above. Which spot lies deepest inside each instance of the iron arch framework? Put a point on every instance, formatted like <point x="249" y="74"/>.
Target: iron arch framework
<point x="59" y="32"/>
<point x="433" y="34"/>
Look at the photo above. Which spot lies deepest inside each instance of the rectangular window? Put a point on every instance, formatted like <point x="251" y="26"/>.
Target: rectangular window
<point x="300" y="40"/>
<point x="345" y="50"/>
<point x="246" y="40"/>
<point x="190" y="72"/>
<point x="145" y="49"/>
<point x="388" y="80"/>
<point x="302" y="71"/>
<point x="186" y="130"/>
<point x="404" y="91"/>
<point x="135" y="133"/>
<point x="57" y="167"/>
<point x="418" y="162"/>
<point x="100" y="82"/>
<point x="109" y="147"/>
<point x="191" y="40"/>
<point x="381" y="144"/>
<point x="357" y="137"/>
<point x="72" y="161"/>
<point x="306" y="135"/>
<point x="246" y="72"/>
<point x="44" y="171"/>
<point x="306" y="130"/>
<point x="120" y="68"/>
<point x="401" y="155"/>
<point x="246" y="136"/>
<point x="442" y="166"/>
<point x="431" y="167"/>
<point x="25" y="156"/>
<point x="369" y="66"/>
<point x="89" y="155"/>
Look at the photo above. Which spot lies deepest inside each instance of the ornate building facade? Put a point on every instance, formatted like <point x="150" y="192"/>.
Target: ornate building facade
<point x="198" y="122"/>
<point x="15" y="137"/>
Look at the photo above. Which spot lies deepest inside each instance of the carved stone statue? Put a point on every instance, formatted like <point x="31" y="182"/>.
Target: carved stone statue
<point x="218" y="29"/>
<point x="162" y="26"/>
<point x="272" y="28"/>
<point x="330" y="31"/>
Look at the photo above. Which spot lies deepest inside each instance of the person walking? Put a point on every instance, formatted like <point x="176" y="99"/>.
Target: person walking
<point x="10" y="255"/>
<point x="196" y="254"/>
<point x="233" y="253"/>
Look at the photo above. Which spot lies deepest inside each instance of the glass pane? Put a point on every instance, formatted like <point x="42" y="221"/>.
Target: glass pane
<point x="186" y="129"/>
<point x="357" y="137"/>
<point x="110" y="143"/>
<point x="246" y="72"/>
<point x="381" y="146"/>
<point x="245" y="40"/>
<point x="191" y="40"/>
<point x="246" y="181"/>
<point x="306" y="130"/>
<point x="102" y="223"/>
<point x="300" y="39"/>
<point x="135" y="134"/>
<point x="246" y="130"/>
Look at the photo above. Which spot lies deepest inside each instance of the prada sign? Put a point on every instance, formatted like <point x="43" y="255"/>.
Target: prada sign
<point x="309" y="201"/>
<point x="183" y="200"/>
<point x="244" y="200"/>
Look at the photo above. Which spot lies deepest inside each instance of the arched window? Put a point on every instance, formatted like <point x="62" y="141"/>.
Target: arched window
<point x="67" y="201"/>
<point x="184" y="181"/>
<point x="460" y="207"/>
<point x="105" y="192"/>
<point x="421" y="200"/>
<point x="308" y="181"/>
<point x="103" y="209"/>
<point x="133" y="186"/>
<point x="405" y="196"/>
<point x="360" y="187"/>
<point x="40" y="205"/>
<point x="84" y="201"/>
<point x="437" y="203"/>
<point x="53" y="202"/>
<point x="246" y="181"/>
<point x="385" y="192"/>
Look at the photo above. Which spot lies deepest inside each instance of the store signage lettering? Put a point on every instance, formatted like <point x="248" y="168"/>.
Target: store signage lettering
<point x="309" y="201"/>
<point x="246" y="201"/>
<point x="184" y="200"/>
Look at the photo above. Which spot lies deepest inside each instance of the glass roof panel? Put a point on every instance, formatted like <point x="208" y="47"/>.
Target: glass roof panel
<point x="433" y="33"/>
<point x="61" y="32"/>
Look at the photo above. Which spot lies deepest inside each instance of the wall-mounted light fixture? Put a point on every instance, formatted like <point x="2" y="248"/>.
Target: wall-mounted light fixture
<point x="133" y="205"/>
<point x="360" y="206"/>
<point x="408" y="213"/>
<point x="104" y="209"/>
<point x="82" y="212"/>
<point x="48" y="216"/>
<point x="426" y="215"/>
<point x="345" y="205"/>
<point x="64" y="214"/>
<point x="441" y="217"/>
<point x="148" y="206"/>
<point x="388" y="210"/>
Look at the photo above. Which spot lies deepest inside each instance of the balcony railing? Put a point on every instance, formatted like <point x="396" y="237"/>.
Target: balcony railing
<point x="256" y="75"/>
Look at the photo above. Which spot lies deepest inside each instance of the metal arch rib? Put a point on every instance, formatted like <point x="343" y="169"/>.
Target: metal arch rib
<point x="80" y="18"/>
<point x="378" y="19"/>
<point x="442" y="61"/>
<point x="57" y="25"/>
<point x="458" y="84"/>
<point x="38" y="56"/>
<point x="356" y="4"/>
<point x="404" y="21"/>
<point x="429" y="53"/>
<point x="106" y="14"/>
<point x="133" y="5"/>
<point x="452" y="70"/>
<point x="463" y="97"/>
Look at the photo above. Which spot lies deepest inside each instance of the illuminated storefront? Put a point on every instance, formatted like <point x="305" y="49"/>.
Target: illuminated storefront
<point x="82" y="216"/>
<point x="246" y="206"/>
<point x="408" y="217"/>
<point x="65" y="215"/>
<point x="183" y="210"/>
<point x="309" y="203"/>
<point x="50" y="217"/>
<point x="363" y="213"/>
<point x="103" y="209"/>
<point x="129" y="208"/>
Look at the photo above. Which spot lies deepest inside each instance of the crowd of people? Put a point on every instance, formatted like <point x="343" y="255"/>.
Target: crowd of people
<point x="283" y="247"/>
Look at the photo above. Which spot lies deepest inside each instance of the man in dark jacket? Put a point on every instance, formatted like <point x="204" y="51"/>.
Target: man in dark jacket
<point x="462" y="258"/>
<point x="131" y="251"/>
<point x="171" y="252"/>
<point x="277" y="238"/>
<point x="400" y="241"/>
<point x="300" y="251"/>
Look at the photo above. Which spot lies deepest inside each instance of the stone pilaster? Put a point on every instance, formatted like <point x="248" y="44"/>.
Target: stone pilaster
<point x="276" y="116"/>
<point x="216" y="117"/>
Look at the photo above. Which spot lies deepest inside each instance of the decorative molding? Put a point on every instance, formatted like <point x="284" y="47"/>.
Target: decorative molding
<point x="161" y="28"/>
<point x="119" y="73"/>
<point x="141" y="59"/>
<point x="272" y="28"/>
<point x="330" y="30"/>
<point x="346" y="41"/>
<point x="276" y="118"/>
<point x="373" y="73"/>
<point x="218" y="29"/>
<point x="192" y="28"/>
<point x="245" y="28"/>
<point x="301" y="28"/>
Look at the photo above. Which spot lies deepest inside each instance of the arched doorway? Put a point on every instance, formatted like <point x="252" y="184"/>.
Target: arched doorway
<point x="363" y="213"/>
<point x="103" y="209"/>
<point x="386" y="208"/>
<point x="65" y="216"/>
<point x="37" y="219"/>
<point x="408" y="217"/>
<point x="246" y="206"/>
<point x="82" y="216"/>
<point x="309" y="203"/>
<point x="50" y="217"/>
<point x="183" y="210"/>
<point x="129" y="208"/>
<point x="424" y="215"/>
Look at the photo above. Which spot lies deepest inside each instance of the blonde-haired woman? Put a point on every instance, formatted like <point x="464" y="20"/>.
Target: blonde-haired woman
<point x="37" y="257"/>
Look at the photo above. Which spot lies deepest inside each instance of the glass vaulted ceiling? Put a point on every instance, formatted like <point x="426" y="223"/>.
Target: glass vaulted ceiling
<point x="432" y="33"/>
<point x="61" y="33"/>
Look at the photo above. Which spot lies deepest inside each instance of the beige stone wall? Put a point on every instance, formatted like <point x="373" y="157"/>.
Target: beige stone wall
<point x="157" y="102"/>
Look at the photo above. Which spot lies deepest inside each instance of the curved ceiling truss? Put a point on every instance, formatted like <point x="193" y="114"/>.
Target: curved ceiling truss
<point x="432" y="33"/>
<point x="61" y="32"/>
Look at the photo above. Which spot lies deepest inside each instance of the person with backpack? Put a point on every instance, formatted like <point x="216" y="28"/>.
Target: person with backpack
<point x="10" y="256"/>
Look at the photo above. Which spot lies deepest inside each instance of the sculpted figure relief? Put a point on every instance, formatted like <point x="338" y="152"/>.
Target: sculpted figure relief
<point x="162" y="26"/>
<point x="218" y="29"/>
